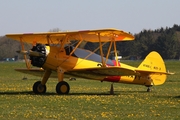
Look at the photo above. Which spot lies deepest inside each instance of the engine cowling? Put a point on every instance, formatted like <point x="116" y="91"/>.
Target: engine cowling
<point x="38" y="61"/>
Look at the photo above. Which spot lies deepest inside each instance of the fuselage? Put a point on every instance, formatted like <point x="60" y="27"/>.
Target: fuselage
<point x="82" y="58"/>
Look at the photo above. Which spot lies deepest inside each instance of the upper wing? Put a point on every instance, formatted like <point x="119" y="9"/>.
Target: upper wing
<point x="101" y="72"/>
<point x="87" y="35"/>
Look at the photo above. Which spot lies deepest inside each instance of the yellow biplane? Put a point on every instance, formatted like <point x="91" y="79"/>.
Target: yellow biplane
<point x="61" y="52"/>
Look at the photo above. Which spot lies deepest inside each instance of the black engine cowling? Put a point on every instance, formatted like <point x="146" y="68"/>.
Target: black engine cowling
<point x="38" y="61"/>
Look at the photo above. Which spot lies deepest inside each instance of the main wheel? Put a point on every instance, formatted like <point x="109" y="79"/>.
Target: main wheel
<point x="62" y="87"/>
<point x="38" y="88"/>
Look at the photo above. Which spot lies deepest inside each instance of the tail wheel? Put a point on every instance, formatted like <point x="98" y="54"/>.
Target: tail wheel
<point x="38" y="88"/>
<point x="62" y="87"/>
<point x="148" y="89"/>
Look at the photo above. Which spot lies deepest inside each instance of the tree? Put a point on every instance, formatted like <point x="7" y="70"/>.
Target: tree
<point x="167" y="45"/>
<point x="55" y="30"/>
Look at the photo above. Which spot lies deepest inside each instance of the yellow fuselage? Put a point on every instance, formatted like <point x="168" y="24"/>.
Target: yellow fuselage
<point x="57" y="58"/>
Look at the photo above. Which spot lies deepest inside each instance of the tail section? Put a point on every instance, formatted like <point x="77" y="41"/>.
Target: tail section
<point x="154" y="68"/>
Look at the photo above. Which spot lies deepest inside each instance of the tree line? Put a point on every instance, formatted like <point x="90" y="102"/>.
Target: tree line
<point x="166" y="41"/>
<point x="8" y="48"/>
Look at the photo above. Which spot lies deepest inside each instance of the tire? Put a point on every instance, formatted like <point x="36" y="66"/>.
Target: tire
<point x="62" y="88"/>
<point x="38" y="88"/>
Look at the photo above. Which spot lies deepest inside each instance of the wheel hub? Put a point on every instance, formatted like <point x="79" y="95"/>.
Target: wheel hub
<point x="40" y="88"/>
<point x="63" y="88"/>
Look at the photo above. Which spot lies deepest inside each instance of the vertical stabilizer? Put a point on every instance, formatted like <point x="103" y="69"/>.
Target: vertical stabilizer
<point x="153" y="65"/>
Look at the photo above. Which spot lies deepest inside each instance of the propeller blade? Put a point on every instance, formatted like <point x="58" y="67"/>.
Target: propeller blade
<point x="30" y="53"/>
<point x="22" y="52"/>
<point x="35" y="53"/>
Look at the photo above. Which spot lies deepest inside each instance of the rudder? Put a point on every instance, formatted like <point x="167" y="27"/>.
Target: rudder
<point x="154" y="66"/>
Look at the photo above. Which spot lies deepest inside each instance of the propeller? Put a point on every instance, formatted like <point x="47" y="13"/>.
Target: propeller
<point x="37" y="55"/>
<point x="30" y="53"/>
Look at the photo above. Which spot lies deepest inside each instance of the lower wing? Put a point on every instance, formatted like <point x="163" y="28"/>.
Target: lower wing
<point x="101" y="72"/>
<point x="91" y="73"/>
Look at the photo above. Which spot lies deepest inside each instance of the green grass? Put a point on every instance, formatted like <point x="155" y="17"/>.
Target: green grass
<point x="88" y="99"/>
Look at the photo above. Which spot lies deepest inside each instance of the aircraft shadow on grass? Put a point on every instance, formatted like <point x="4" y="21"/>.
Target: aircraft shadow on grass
<point x="116" y="93"/>
<point x="78" y="93"/>
<point x="177" y="97"/>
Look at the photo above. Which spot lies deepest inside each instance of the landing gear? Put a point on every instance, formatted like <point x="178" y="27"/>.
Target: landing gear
<point x="112" y="90"/>
<point x="38" y="88"/>
<point x="62" y="87"/>
<point x="148" y="89"/>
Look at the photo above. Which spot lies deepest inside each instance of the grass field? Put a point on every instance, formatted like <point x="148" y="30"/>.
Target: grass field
<point x="88" y="99"/>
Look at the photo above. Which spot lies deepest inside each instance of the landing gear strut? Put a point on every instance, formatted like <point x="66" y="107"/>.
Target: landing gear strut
<point x="112" y="90"/>
<point x="62" y="87"/>
<point x="39" y="87"/>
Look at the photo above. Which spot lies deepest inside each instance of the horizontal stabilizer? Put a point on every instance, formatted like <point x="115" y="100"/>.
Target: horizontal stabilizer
<point x="153" y="72"/>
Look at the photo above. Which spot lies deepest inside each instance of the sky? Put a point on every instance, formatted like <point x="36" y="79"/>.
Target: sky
<point x="24" y="16"/>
